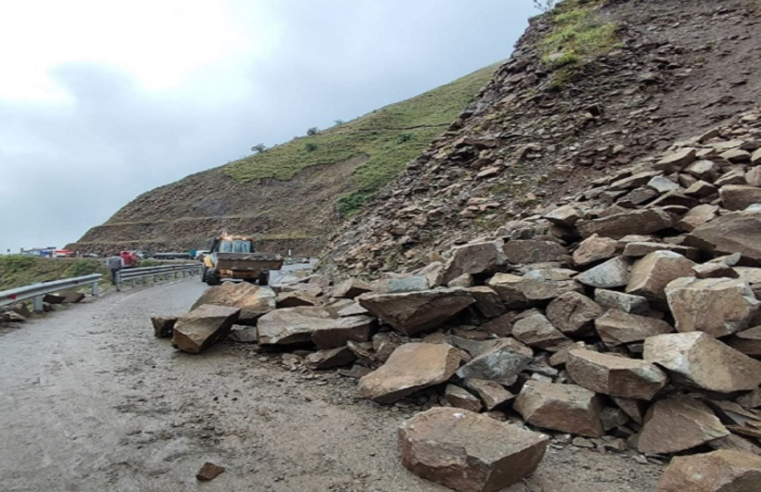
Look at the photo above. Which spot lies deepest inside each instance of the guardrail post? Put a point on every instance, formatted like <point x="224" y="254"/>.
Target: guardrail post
<point x="37" y="306"/>
<point x="95" y="288"/>
<point x="118" y="279"/>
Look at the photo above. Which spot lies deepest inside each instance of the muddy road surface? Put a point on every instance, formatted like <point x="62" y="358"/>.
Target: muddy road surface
<point x="91" y="401"/>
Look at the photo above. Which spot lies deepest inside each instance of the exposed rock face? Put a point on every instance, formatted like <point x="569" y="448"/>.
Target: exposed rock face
<point x="700" y="360"/>
<point x="502" y="363"/>
<point x="573" y="313"/>
<point x="163" y="326"/>
<point x="203" y="327"/>
<point x="615" y="376"/>
<point x="617" y="327"/>
<point x="651" y="274"/>
<point x="717" y="306"/>
<point x="416" y="312"/>
<point x="561" y="407"/>
<point x="474" y="259"/>
<point x="523" y="252"/>
<point x="720" y="471"/>
<point x="411" y="367"/>
<point x="253" y="301"/>
<point x="468" y="452"/>
<point x="291" y="326"/>
<point x="617" y="226"/>
<point x="679" y="424"/>
<point x="335" y="333"/>
<point x="736" y="232"/>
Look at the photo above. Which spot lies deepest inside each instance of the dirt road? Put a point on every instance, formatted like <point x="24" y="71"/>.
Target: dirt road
<point x="90" y="401"/>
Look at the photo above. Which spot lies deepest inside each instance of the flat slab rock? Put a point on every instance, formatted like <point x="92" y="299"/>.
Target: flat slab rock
<point x="291" y="326"/>
<point x="410" y="368"/>
<point x="720" y="471"/>
<point x="416" y="312"/>
<point x="679" y="424"/>
<point x="203" y="327"/>
<point x="561" y="407"/>
<point x="253" y="301"/>
<point x="614" y="375"/>
<point x="468" y="452"/>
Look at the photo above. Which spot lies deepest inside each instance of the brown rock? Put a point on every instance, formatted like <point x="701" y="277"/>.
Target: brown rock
<point x="748" y="342"/>
<point x="351" y="288"/>
<point x="615" y="376"/>
<point x="334" y="333"/>
<point x="461" y="398"/>
<point x="523" y="252"/>
<point x="327" y="359"/>
<point x="163" y="326"/>
<point x="701" y="189"/>
<point x="473" y="259"/>
<point x="253" y="301"/>
<point x="624" y="302"/>
<point x="204" y="326"/>
<point x="411" y="367"/>
<point x="611" y="274"/>
<point x="645" y="221"/>
<point x="593" y="249"/>
<point x="292" y="326"/>
<point x="617" y="327"/>
<point x="651" y="274"/>
<point x="488" y="301"/>
<point x="468" y="452"/>
<point x="678" y="424"/>
<point x="717" y="306"/>
<point x="561" y="407"/>
<point x="738" y="232"/>
<point x="537" y="331"/>
<point x="502" y="326"/>
<point x="209" y="471"/>
<point x="296" y="299"/>
<point x="417" y="312"/>
<point x="640" y="249"/>
<point x="635" y="409"/>
<point x="522" y="292"/>
<point x="573" y="313"/>
<point x="697" y="217"/>
<point x="753" y="177"/>
<point x="501" y="362"/>
<point x="699" y="360"/>
<point x="719" y="471"/>
<point x="492" y="394"/>
<point x="739" y="197"/>
<point x="71" y="297"/>
<point x="676" y="161"/>
<point x="565" y="216"/>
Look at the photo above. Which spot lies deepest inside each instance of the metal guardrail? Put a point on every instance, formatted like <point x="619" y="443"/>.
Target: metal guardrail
<point x="160" y="272"/>
<point x="36" y="292"/>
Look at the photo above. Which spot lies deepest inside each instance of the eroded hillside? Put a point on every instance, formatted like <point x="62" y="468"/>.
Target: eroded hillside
<point x="293" y="195"/>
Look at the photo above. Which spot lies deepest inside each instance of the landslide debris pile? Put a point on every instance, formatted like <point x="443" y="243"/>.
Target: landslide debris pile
<point x="626" y="320"/>
<point x="592" y="87"/>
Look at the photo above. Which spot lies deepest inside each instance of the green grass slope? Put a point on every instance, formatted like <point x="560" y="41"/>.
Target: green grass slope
<point x="388" y="137"/>
<point x="18" y="271"/>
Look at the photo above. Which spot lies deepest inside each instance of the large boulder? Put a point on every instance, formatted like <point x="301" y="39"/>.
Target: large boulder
<point x="738" y="232"/>
<point x="651" y="274"/>
<point x="536" y="331"/>
<point x="560" y="407"/>
<point x="473" y="259"/>
<point x="468" y="452"/>
<point x="501" y="362"/>
<point x="254" y="301"/>
<point x="679" y="424"/>
<point x="410" y="368"/>
<point x="416" y="312"/>
<point x="699" y="360"/>
<point x="617" y="327"/>
<point x="335" y="333"/>
<point x="717" y="306"/>
<point x="524" y="252"/>
<point x="739" y="197"/>
<point x="720" y="471"/>
<point x="644" y="221"/>
<point x="593" y="249"/>
<point x="615" y="376"/>
<point x="291" y="326"/>
<point x="522" y="292"/>
<point x="203" y="327"/>
<point x="573" y="313"/>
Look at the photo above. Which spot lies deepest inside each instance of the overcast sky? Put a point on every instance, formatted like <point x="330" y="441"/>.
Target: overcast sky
<point x="101" y="101"/>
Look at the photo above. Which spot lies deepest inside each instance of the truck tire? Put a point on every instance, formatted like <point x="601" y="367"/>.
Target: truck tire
<point x="203" y="274"/>
<point x="210" y="277"/>
<point x="264" y="278"/>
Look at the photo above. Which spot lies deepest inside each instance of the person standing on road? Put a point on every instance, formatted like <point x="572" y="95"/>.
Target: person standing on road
<point x="115" y="264"/>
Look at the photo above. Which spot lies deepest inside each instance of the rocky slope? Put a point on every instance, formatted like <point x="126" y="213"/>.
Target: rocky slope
<point x="290" y="196"/>
<point x="591" y="89"/>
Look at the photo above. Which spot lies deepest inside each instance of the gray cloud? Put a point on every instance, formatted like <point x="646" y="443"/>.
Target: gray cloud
<point x="65" y="168"/>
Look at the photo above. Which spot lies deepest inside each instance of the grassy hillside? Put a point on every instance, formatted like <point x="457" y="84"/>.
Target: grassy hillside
<point x="389" y="137"/>
<point x="17" y="271"/>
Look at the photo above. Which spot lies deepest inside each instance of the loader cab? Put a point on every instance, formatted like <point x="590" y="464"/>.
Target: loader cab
<point x="233" y="245"/>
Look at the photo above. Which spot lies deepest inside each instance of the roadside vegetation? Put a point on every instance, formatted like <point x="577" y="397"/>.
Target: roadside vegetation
<point x="18" y="271"/>
<point x="580" y="34"/>
<point x="388" y="137"/>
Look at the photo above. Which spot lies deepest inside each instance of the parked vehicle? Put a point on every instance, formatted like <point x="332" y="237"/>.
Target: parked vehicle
<point x="234" y="258"/>
<point x="129" y="258"/>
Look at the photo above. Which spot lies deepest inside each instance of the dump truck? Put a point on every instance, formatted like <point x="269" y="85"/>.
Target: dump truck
<point x="234" y="259"/>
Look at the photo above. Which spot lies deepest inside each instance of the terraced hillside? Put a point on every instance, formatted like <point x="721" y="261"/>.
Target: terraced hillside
<point x="291" y="196"/>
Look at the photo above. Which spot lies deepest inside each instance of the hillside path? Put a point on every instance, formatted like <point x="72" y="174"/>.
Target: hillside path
<point x="91" y="401"/>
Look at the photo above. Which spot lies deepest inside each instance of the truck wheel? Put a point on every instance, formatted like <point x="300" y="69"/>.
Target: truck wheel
<point x="210" y="277"/>
<point x="203" y="274"/>
<point x="264" y="278"/>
